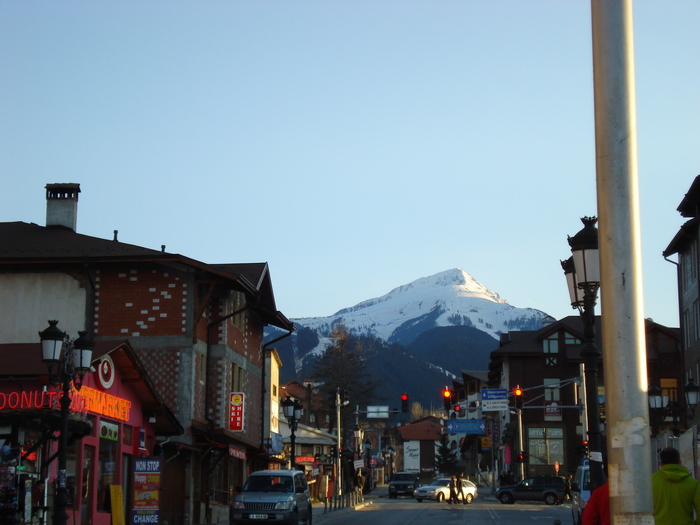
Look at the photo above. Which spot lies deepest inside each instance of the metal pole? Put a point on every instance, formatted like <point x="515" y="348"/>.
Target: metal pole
<point x="629" y="459"/>
<point x="338" y="458"/>
<point x="591" y="356"/>
<point x="60" y="516"/>
<point x="521" y="443"/>
<point x="292" y="438"/>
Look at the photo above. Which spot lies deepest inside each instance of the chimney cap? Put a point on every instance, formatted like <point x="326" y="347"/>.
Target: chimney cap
<point x="65" y="190"/>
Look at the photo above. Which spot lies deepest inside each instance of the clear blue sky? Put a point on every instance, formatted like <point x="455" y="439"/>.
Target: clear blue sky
<point x="354" y="145"/>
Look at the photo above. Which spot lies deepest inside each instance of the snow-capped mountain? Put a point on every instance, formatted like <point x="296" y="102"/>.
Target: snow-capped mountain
<point x="449" y="298"/>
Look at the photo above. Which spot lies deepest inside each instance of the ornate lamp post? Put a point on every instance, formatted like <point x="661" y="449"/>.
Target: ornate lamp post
<point x="359" y="435"/>
<point x="73" y="358"/>
<point x="583" y="279"/>
<point x="292" y="411"/>
<point x="674" y="409"/>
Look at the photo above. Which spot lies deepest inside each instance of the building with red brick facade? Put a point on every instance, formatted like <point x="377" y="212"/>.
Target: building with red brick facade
<point x="196" y="327"/>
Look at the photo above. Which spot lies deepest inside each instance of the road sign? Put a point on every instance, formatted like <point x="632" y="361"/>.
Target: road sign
<point x="494" y="400"/>
<point x="466" y="426"/>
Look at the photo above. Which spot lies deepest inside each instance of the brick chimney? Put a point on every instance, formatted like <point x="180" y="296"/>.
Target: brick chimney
<point x="62" y="205"/>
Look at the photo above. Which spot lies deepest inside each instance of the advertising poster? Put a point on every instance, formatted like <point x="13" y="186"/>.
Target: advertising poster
<point x="411" y="456"/>
<point x="147" y="480"/>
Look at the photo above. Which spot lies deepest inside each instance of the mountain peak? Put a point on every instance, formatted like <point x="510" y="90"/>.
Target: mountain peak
<point x="449" y="298"/>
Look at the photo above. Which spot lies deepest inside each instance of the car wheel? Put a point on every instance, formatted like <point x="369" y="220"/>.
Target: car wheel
<point x="469" y="498"/>
<point x="505" y="498"/>
<point x="550" y="499"/>
<point x="440" y="497"/>
<point x="419" y="500"/>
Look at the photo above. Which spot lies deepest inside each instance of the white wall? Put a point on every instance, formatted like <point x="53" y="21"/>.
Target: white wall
<point x="29" y="300"/>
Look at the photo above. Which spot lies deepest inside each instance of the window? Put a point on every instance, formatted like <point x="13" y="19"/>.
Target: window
<point x="237" y="379"/>
<point x="669" y="388"/>
<point x="570" y="339"/>
<point x="689" y="266"/>
<point x="550" y="349"/>
<point x="107" y="464"/>
<point x="545" y="445"/>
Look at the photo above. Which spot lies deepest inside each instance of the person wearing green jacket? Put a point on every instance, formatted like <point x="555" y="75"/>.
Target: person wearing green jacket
<point x="676" y="492"/>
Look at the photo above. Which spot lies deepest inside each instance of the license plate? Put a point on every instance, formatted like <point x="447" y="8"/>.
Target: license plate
<point x="258" y="517"/>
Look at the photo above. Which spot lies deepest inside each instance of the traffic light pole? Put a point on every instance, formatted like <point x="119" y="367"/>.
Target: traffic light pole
<point x="520" y="442"/>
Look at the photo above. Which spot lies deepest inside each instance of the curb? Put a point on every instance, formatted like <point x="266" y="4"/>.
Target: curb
<point x="320" y="518"/>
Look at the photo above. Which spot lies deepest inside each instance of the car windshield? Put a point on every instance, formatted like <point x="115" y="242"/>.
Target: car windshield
<point x="269" y="484"/>
<point x="403" y="477"/>
<point x="441" y="482"/>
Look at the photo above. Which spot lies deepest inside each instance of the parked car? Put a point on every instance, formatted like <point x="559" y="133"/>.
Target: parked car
<point x="439" y="490"/>
<point x="550" y="489"/>
<point x="273" y="496"/>
<point x="580" y="492"/>
<point x="403" y="483"/>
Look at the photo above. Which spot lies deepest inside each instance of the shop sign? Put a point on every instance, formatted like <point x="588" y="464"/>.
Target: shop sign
<point x="236" y="412"/>
<point x="147" y="484"/>
<point x="87" y="399"/>
<point x="236" y="453"/>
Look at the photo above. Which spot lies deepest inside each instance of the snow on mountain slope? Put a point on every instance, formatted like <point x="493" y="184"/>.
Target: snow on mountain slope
<point x="449" y="298"/>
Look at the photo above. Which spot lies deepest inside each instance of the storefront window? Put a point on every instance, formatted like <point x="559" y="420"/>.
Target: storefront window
<point x="127" y="433"/>
<point x="546" y="446"/>
<point x="71" y="470"/>
<point x="86" y="491"/>
<point x="218" y="480"/>
<point x="107" y="465"/>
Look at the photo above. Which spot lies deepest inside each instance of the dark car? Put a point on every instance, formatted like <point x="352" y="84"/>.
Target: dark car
<point x="549" y="489"/>
<point x="403" y="483"/>
<point x="273" y="496"/>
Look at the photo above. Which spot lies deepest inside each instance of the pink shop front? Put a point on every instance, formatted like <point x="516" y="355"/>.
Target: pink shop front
<point x="113" y="422"/>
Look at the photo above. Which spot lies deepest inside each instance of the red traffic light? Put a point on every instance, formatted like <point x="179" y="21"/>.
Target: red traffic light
<point x="404" y="397"/>
<point x="447" y="393"/>
<point x="517" y="391"/>
<point x="458" y="408"/>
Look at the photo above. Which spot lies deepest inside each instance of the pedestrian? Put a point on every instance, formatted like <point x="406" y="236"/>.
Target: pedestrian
<point x="460" y="488"/>
<point x="567" y="490"/>
<point x="676" y="492"/>
<point x="597" y="509"/>
<point x="453" y="490"/>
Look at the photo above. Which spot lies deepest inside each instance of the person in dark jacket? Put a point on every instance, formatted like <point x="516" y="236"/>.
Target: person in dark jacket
<point x="453" y="491"/>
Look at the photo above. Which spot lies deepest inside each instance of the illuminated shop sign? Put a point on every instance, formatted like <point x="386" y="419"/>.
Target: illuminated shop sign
<point x="86" y="400"/>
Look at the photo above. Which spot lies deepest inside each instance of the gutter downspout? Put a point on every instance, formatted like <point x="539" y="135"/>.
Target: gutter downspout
<point x="263" y="390"/>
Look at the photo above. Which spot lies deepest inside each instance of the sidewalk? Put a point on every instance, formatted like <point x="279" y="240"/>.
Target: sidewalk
<point x="381" y="491"/>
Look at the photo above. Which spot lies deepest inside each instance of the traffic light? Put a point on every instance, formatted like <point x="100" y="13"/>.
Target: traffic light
<point x="458" y="409"/>
<point x="518" y="395"/>
<point x="404" y="402"/>
<point x="509" y="433"/>
<point x="521" y="457"/>
<point x="584" y="447"/>
<point x="447" y="398"/>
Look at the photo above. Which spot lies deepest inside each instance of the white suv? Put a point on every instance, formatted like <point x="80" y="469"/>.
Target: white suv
<point x="273" y="496"/>
<point x="580" y="492"/>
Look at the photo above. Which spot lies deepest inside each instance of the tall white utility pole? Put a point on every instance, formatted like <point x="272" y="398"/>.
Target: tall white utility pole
<point x="624" y="346"/>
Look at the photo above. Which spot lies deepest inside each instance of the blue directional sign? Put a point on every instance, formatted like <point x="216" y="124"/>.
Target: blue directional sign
<point x="466" y="426"/>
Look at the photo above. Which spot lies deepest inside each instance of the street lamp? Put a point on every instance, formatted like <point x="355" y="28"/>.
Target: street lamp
<point x="292" y="411"/>
<point x="359" y="434"/>
<point x="582" y="272"/>
<point x="73" y="358"/>
<point x="660" y="403"/>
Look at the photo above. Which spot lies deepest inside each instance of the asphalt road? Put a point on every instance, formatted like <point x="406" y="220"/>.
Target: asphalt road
<point x="406" y="511"/>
